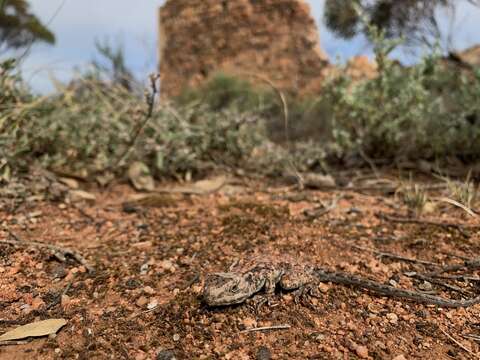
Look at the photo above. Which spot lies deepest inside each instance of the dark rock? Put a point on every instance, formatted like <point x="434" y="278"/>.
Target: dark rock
<point x="166" y="355"/>
<point x="263" y="353"/>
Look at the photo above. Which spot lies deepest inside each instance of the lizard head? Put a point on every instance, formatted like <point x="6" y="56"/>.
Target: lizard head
<point x="230" y="288"/>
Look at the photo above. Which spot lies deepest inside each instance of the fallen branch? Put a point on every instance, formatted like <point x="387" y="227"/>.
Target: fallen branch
<point x="457" y="277"/>
<point x="470" y="265"/>
<point x="59" y="252"/>
<point x="436" y="281"/>
<point x="264" y="328"/>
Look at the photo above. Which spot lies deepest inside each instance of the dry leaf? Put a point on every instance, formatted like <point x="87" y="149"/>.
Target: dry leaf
<point x="71" y="183"/>
<point x="201" y="187"/>
<point x="80" y="195"/>
<point x="39" y="328"/>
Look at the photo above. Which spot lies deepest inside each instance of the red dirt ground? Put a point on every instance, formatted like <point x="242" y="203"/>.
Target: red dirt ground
<point x="147" y="255"/>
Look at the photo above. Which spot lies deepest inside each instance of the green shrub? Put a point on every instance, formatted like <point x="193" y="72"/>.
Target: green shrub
<point x="426" y="111"/>
<point x="87" y="127"/>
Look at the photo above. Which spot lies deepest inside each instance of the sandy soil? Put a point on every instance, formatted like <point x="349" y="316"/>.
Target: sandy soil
<point x="143" y="300"/>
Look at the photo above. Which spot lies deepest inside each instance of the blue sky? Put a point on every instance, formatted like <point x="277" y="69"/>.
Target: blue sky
<point x="78" y="23"/>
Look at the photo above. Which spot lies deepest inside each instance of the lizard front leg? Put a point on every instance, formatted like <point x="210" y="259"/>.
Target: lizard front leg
<point x="301" y="282"/>
<point x="272" y="278"/>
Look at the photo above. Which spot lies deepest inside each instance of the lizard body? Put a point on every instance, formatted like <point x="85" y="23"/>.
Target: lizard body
<point x="236" y="287"/>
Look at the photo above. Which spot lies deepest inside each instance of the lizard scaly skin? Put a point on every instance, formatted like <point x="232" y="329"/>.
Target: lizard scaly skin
<point x="237" y="286"/>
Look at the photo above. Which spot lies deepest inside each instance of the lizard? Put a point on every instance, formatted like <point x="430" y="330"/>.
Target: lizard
<point x="236" y="287"/>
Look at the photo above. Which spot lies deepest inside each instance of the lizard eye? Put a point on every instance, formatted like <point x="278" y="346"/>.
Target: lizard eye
<point x="234" y="288"/>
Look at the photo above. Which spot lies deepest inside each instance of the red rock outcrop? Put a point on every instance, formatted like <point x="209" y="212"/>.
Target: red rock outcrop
<point x="277" y="39"/>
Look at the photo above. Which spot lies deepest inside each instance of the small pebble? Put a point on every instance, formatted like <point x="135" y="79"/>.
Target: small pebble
<point x="361" y="351"/>
<point x="166" y="355"/>
<point x="392" y="318"/>
<point x="263" y="353"/>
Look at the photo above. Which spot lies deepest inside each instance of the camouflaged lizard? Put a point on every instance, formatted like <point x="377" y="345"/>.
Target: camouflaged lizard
<point x="236" y="287"/>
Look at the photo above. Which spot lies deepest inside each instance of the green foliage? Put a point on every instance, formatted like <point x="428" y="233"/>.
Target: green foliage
<point x="87" y="126"/>
<point x="115" y="67"/>
<point x="224" y="91"/>
<point x="19" y="27"/>
<point x="413" y="196"/>
<point x="416" y="20"/>
<point x="464" y="192"/>
<point x="427" y="111"/>
<point x="17" y="108"/>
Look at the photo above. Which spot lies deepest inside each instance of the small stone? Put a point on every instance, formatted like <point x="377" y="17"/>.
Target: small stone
<point x="144" y="245"/>
<point x="166" y="355"/>
<point x="263" y="353"/>
<point x="37" y="303"/>
<point x="141" y="301"/>
<point x="144" y="268"/>
<point x="140" y="356"/>
<point x="65" y="301"/>
<point x="152" y="304"/>
<point x="176" y="337"/>
<point x="139" y="175"/>
<point x="425" y="286"/>
<point x="323" y="287"/>
<point x="167" y="265"/>
<point x="361" y="351"/>
<point x="26" y="309"/>
<point x="392" y="318"/>
<point x="148" y="290"/>
<point x="249" y="322"/>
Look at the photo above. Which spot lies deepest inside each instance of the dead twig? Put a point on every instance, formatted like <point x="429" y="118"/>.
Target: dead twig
<point x="461" y="228"/>
<point x="457" y="277"/>
<point x="150" y="100"/>
<point x="457" y="204"/>
<point x="15" y="342"/>
<point x="265" y="328"/>
<point x="395" y="256"/>
<point x="60" y="253"/>
<point x="58" y="298"/>
<point x="436" y="281"/>
<point x="470" y="265"/>
<point x="459" y="344"/>
<point x="472" y="337"/>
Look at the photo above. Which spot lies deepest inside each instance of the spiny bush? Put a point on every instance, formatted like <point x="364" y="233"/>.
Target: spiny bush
<point x="426" y="111"/>
<point x="87" y="126"/>
<point x="18" y="108"/>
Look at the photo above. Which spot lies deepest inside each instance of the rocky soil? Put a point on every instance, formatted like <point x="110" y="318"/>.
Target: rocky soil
<point x="150" y="259"/>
